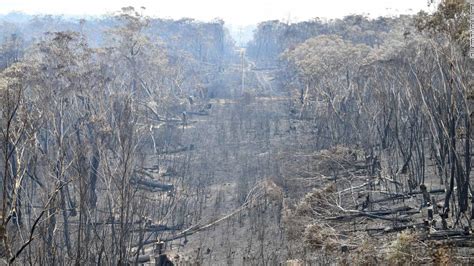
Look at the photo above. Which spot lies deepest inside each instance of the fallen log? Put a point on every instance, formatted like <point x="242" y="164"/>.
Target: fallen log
<point x="395" y="197"/>
<point x="151" y="184"/>
<point x="377" y="213"/>
<point x="466" y="242"/>
<point x="402" y="227"/>
<point x="449" y="234"/>
<point x="392" y="219"/>
<point x="153" y="169"/>
<point x="140" y="259"/>
<point x="389" y="229"/>
<point x="178" y="150"/>
<point x="158" y="228"/>
<point x="403" y="196"/>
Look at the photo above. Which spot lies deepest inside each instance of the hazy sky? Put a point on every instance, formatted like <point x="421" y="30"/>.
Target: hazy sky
<point x="237" y="12"/>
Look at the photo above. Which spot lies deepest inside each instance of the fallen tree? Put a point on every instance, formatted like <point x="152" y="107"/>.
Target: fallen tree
<point x="151" y="184"/>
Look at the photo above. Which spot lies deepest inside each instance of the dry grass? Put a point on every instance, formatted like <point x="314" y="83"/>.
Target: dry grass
<point x="442" y="254"/>
<point x="402" y="249"/>
<point x="319" y="236"/>
<point x="366" y="253"/>
<point x="336" y="159"/>
<point x="318" y="202"/>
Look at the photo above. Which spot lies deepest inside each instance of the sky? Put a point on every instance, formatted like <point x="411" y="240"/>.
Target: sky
<point x="235" y="12"/>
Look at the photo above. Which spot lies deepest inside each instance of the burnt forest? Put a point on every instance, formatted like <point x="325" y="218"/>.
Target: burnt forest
<point x="129" y="139"/>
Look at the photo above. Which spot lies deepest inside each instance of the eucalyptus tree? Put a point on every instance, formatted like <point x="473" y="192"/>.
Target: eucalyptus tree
<point x="327" y="67"/>
<point x="447" y="99"/>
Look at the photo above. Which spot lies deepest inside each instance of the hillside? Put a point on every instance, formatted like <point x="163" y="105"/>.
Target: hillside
<point x="134" y="140"/>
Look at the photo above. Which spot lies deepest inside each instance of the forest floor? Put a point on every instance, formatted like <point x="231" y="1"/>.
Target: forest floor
<point x="238" y="144"/>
